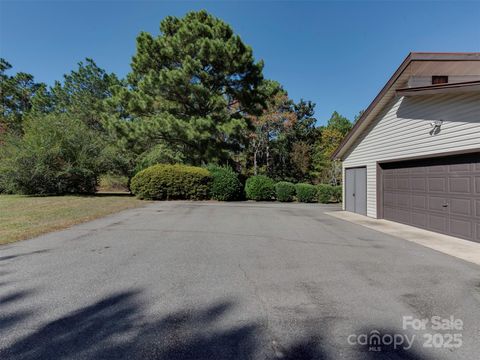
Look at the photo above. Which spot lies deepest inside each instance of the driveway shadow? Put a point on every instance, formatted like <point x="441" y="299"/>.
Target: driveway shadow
<point x="118" y="327"/>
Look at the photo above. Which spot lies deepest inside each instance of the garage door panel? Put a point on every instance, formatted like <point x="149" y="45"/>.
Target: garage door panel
<point x="460" y="168"/>
<point x="437" y="184"/>
<point x="477" y="185"/>
<point x="390" y="199"/>
<point x="437" y="222"/>
<point x="461" y="185"/>
<point x="404" y="171"/>
<point x="403" y="183"/>
<point x="389" y="213"/>
<point x="389" y="184"/>
<point x="462" y="207"/>
<point x="440" y="194"/>
<point x="399" y="215"/>
<point x="418" y="184"/>
<point x="404" y="200"/>
<point x="419" y="219"/>
<point x="437" y="203"/>
<point x="403" y="216"/>
<point x="418" y="171"/>
<point x="437" y="169"/>
<point x="419" y="202"/>
<point x="461" y="228"/>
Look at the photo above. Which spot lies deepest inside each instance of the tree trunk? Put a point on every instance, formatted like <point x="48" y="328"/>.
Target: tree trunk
<point x="268" y="156"/>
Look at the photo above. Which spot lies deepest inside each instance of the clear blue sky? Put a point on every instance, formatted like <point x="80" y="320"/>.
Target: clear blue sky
<point x="337" y="54"/>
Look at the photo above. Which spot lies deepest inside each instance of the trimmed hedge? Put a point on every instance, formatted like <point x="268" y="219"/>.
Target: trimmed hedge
<point x="260" y="188"/>
<point x="285" y="191"/>
<point x="324" y="193"/>
<point x="306" y="193"/>
<point x="171" y="182"/>
<point x="225" y="184"/>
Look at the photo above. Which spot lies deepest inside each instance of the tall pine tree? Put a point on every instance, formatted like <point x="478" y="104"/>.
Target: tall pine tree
<point x="191" y="87"/>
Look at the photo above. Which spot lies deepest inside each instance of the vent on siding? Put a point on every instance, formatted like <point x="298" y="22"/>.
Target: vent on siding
<point x="439" y="79"/>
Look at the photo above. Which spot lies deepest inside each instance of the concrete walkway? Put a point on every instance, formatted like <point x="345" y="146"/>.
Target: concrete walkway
<point x="206" y="280"/>
<point x="462" y="249"/>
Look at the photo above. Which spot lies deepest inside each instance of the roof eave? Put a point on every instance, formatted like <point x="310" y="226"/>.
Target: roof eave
<point x="340" y="149"/>
<point x="459" y="87"/>
<point x="413" y="56"/>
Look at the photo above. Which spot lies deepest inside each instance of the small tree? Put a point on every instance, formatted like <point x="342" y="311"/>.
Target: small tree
<point x="277" y="117"/>
<point x="301" y="157"/>
<point x="56" y="155"/>
<point x="327" y="170"/>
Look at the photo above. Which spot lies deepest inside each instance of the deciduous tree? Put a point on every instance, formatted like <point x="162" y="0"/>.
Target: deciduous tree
<point x="326" y="170"/>
<point x="270" y="126"/>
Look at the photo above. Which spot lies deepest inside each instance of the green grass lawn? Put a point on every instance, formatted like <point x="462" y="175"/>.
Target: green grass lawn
<point x="23" y="217"/>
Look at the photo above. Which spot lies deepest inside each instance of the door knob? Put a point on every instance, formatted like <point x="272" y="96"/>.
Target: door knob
<point x="445" y="205"/>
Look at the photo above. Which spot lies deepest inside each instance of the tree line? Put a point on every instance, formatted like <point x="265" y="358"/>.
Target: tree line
<point x="195" y="95"/>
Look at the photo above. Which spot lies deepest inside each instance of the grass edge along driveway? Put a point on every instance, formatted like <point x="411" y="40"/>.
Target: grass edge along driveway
<point x="24" y="217"/>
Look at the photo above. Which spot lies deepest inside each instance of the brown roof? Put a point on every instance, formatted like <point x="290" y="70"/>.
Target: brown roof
<point x="413" y="56"/>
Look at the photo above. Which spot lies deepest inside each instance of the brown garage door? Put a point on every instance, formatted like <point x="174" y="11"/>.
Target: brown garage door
<point x="439" y="194"/>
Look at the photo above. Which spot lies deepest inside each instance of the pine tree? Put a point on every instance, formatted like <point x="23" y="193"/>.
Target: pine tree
<point x="16" y="93"/>
<point x="192" y="86"/>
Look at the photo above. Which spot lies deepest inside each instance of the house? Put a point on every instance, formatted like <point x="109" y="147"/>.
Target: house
<point x="414" y="155"/>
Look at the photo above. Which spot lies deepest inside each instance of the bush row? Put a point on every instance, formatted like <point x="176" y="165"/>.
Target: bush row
<point x="225" y="184"/>
<point x="263" y="188"/>
<point x="170" y="182"/>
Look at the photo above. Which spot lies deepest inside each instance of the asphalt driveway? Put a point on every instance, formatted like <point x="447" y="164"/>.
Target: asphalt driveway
<point x="183" y="280"/>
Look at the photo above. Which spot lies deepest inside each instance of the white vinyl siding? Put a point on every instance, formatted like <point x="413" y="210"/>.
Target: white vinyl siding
<point x="402" y="130"/>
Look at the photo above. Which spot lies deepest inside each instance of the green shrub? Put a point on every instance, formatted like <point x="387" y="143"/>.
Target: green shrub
<point x="324" y="193"/>
<point x="285" y="191"/>
<point x="57" y="154"/>
<point x="225" y="184"/>
<point x="306" y="193"/>
<point x="260" y="187"/>
<point x="158" y="154"/>
<point x="337" y="193"/>
<point x="171" y="182"/>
